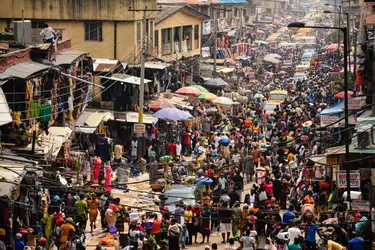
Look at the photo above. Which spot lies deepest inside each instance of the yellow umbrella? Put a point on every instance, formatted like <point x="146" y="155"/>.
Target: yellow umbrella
<point x="304" y="30"/>
<point x="207" y="96"/>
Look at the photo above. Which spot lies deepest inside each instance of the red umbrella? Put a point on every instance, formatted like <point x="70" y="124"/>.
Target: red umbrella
<point x="341" y="94"/>
<point x="160" y="105"/>
<point x="189" y="91"/>
<point x="333" y="46"/>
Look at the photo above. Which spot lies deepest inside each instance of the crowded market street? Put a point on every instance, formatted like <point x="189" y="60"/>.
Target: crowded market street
<point x="226" y="125"/>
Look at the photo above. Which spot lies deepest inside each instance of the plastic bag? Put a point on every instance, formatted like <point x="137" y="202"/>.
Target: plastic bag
<point x="108" y="240"/>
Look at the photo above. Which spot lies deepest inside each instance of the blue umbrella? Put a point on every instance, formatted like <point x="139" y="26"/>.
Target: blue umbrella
<point x="224" y="141"/>
<point x="207" y="181"/>
<point x="323" y="66"/>
<point x="173" y="114"/>
<point x="188" y="116"/>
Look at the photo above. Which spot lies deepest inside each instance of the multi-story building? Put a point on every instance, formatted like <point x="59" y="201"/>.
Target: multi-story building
<point x="106" y="29"/>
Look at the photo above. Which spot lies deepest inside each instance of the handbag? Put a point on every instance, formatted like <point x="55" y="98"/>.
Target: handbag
<point x="263" y="196"/>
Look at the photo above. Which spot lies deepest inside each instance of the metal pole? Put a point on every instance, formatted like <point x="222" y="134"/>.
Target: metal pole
<point x="355" y="55"/>
<point x="373" y="83"/>
<point x="348" y="29"/>
<point x="346" y="114"/>
<point x="339" y="35"/>
<point x="143" y="59"/>
<point x="274" y="10"/>
<point x="215" y="41"/>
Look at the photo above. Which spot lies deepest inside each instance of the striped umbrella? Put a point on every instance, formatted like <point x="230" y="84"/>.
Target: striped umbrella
<point x="200" y="88"/>
<point x="207" y="96"/>
<point x="190" y="91"/>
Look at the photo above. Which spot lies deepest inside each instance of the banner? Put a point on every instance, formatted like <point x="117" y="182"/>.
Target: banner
<point x="355" y="179"/>
<point x="360" y="205"/>
<point x="206" y="28"/>
<point x="327" y="120"/>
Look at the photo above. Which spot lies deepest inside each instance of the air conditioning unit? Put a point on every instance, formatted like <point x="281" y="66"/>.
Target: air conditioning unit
<point x="22" y="31"/>
<point x="365" y="136"/>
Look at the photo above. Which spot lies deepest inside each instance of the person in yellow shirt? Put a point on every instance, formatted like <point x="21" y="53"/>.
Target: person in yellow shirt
<point x="65" y="230"/>
<point x="331" y="245"/>
<point x="290" y="156"/>
<point x="189" y="224"/>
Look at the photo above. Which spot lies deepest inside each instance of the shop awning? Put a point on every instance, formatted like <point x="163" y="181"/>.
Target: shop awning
<point x="11" y="174"/>
<point x="319" y="159"/>
<point x="126" y="79"/>
<point x="88" y="121"/>
<point x="152" y="65"/>
<point x="68" y="56"/>
<point x="23" y="70"/>
<point x="106" y="65"/>
<point x="132" y="117"/>
<point x="5" y="116"/>
<point x="336" y="108"/>
<point x="225" y="70"/>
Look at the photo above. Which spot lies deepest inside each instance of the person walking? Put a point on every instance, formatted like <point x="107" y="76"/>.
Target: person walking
<point x="81" y="212"/>
<point x="225" y="216"/>
<point x="93" y="211"/>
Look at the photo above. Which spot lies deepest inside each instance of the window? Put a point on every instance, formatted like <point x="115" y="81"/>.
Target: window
<point x="196" y="32"/>
<point x="156" y="38"/>
<point x="151" y="31"/>
<point x="138" y="31"/>
<point x="244" y="12"/>
<point x="166" y="35"/>
<point x="94" y="32"/>
<point x="235" y="12"/>
<point x="37" y="24"/>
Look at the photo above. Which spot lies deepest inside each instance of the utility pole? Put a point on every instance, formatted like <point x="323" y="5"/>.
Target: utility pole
<point x="355" y="55"/>
<point x="339" y="35"/>
<point x="274" y="10"/>
<point x="143" y="60"/>
<point x="215" y="41"/>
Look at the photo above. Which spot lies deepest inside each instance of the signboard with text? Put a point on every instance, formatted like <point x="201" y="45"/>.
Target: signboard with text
<point x="360" y="205"/>
<point x="354" y="103"/>
<point x="327" y="120"/>
<point x="355" y="179"/>
<point x="139" y="128"/>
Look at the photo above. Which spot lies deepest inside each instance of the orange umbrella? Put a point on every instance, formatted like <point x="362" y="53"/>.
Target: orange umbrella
<point x="190" y="91"/>
<point x="207" y="96"/>
<point x="341" y="94"/>
<point x="159" y="105"/>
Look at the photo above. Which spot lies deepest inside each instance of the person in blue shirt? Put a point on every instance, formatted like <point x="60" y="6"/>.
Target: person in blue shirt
<point x="311" y="231"/>
<point x="289" y="216"/>
<point x="356" y="243"/>
<point x="19" y="244"/>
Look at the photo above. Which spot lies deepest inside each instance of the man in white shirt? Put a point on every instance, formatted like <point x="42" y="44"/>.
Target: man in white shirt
<point x="247" y="242"/>
<point x="48" y="34"/>
<point x="134" y="149"/>
<point x="294" y="232"/>
<point x="178" y="149"/>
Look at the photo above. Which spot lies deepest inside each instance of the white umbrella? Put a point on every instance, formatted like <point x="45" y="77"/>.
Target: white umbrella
<point x="273" y="56"/>
<point x="257" y="95"/>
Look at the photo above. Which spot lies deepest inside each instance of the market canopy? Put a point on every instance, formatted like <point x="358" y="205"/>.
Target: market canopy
<point x="172" y="114"/>
<point x="216" y="83"/>
<point x="223" y="101"/>
<point x="88" y="121"/>
<point x="190" y="91"/>
<point x="126" y="79"/>
<point x="335" y="109"/>
<point x="67" y="57"/>
<point x="271" y="60"/>
<point x="23" y="70"/>
<point x="5" y="116"/>
<point x="201" y="88"/>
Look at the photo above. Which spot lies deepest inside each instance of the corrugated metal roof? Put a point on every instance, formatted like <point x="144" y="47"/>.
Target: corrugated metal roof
<point x="233" y="1"/>
<point x="95" y="119"/>
<point x="5" y="116"/>
<point x="126" y="79"/>
<point x="170" y="10"/>
<point x="104" y="65"/>
<point x="23" y="70"/>
<point x="68" y="56"/>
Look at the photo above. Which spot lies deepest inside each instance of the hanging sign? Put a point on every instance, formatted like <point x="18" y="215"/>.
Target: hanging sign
<point x="354" y="103"/>
<point x="327" y="120"/>
<point x="139" y="128"/>
<point x="355" y="179"/>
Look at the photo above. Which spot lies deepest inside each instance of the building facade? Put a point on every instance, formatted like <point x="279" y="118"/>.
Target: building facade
<point x="106" y="29"/>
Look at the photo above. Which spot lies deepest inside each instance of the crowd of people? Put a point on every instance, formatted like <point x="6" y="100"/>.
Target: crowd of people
<point x="254" y="184"/>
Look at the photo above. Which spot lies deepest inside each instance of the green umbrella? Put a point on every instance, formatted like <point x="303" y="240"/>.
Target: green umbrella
<point x="199" y="87"/>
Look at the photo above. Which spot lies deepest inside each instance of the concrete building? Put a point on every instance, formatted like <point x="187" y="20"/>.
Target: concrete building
<point x="178" y="32"/>
<point x="106" y="29"/>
